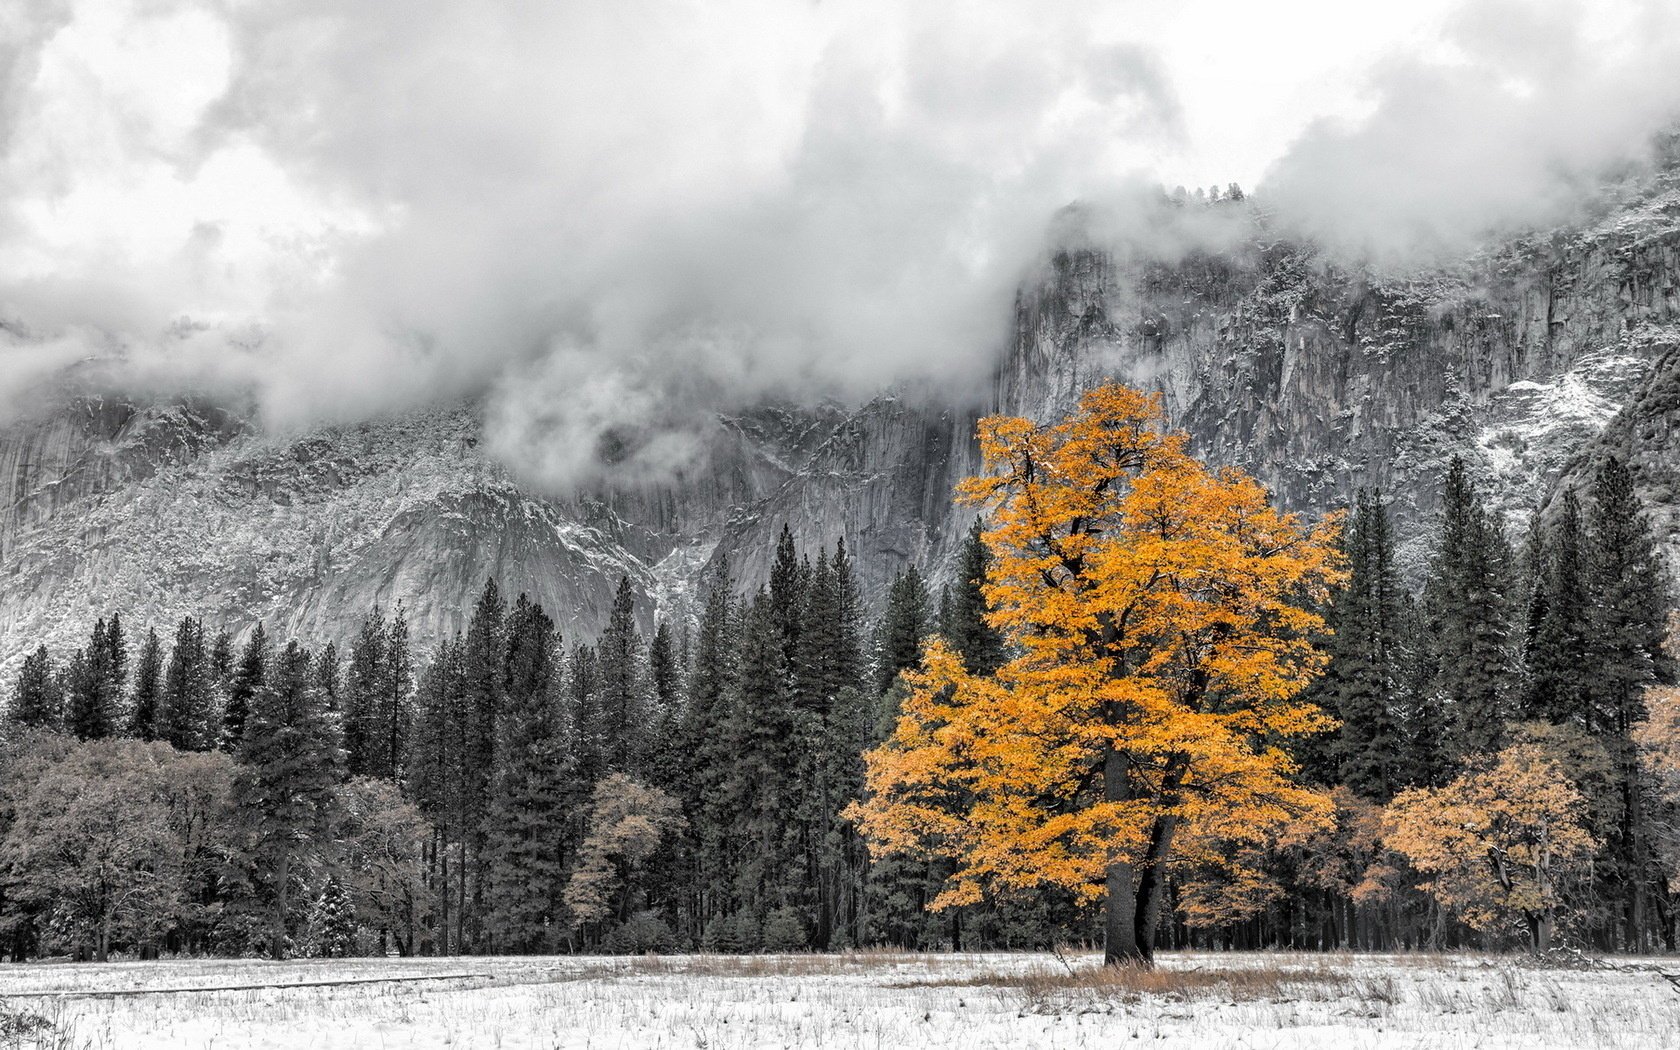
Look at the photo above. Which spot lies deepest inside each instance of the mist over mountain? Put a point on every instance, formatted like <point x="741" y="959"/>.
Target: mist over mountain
<point x="367" y="303"/>
<point x="1532" y="358"/>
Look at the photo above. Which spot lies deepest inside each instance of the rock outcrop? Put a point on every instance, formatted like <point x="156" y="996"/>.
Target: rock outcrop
<point x="1532" y="360"/>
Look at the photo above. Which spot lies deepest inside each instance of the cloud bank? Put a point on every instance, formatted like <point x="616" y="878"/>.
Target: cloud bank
<point x="612" y="220"/>
<point x="1514" y="122"/>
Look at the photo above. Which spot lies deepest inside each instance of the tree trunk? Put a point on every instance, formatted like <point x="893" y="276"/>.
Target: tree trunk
<point x="282" y="880"/>
<point x="1120" y="942"/>
<point x="1152" y="886"/>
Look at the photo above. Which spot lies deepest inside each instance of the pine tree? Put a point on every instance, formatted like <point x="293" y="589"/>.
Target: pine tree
<point x="1630" y="604"/>
<point x="38" y="702"/>
<point x="527" y="835"/>
<point x="333" y="922"/>
<point x="221" y="661"/>
<point x="964" y="621"/>
<point x="364" y="691"/>
<point x="285" y="792"/>
<point x="437" y="782"/>
<point x="90" y="705"/>
<point x="787" y="579"/>
<point x="329" y="679"/>
<point x="392" y="710"/>
<point x="242" y="685"/>
<point x="116" y="671"/>
<point x="706" y="749"/>
<point x="664" y="671"/>
<point x="1631" y="600"/>
<point x="902" y="628"/>
<point x="94" y="701"/>
<point x="817" y="657"/>
<point x="1362" y="683"/>
<point x="1560" y="674"/>
<point x="1468" y="610"/>
<point x="148" y="689"/>
<point x="482" y="670"/>
<point x="756" y="786"/>
<point x="851" y="666"/>
<point x="185" y="716"/>
<point x="665" y="677"/>
<point x="622" y="708"/>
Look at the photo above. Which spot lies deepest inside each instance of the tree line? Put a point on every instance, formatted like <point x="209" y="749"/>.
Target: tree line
<point x="1486" y="760"/>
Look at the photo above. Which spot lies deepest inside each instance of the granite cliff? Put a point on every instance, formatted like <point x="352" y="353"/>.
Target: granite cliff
<point x="1531" y="358"/>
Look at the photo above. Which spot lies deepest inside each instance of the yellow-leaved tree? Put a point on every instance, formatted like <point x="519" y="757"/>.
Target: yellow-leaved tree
<point x="1500" y="842"/>
<point x="1160" y="616"/>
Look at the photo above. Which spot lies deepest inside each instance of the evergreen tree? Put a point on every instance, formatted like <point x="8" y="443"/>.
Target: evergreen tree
<point x="664" y="670"/>
<point x="329" y="679"/>
<point x="148" y="689"/>
<point x="1422" y="719"/>
<point x="902" y="628"/>
<point x="622" y="709"/>
<point x="285" y="792"/>
<point x="1631" y="600"/>
<point x="1468" y="609"/>
<point x="851" y="666"/>
<point x="706" y="750"/>
<point x="787" y="579"/>
<point x="527" y="836"/>
<point x="185" y="715"/>
<point x="437" y="783"/>
<point x="364" y="692"/>
<point x="482" y="673"/>
<point x="221" y="661"/>
<point x="333" y="922"/>
<point x="665" y="677"/>
<point x="583" y="702"/>
<point x="1560" y="674"/>
<point x="38" y="702"/>
<point x="1362" y="684"/>
<point x="817" y="659"/>
<point x="756" y="788"/>
<point x="247" y="677"/>
<point x="116" y="670"/>
<point x="85" y="715"/>
<point x="963" y="622"/>
<point x="388" y="734"/>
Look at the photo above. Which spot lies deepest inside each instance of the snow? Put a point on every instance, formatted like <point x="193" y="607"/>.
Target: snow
<point x="972" y="1002"/>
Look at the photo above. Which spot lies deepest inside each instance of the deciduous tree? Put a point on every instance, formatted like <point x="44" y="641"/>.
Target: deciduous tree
<point x="1161" y="615"/>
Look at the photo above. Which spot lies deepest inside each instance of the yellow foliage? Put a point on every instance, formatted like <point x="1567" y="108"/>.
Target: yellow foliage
<point x="1499" y="842"/>
<point x="1658" y="740"/>
<point x="1161" y="619"/>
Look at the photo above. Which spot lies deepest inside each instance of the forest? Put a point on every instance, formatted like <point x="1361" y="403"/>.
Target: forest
<point x="1150" y="710"/>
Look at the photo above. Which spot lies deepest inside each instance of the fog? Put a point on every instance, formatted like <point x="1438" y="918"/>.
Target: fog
<point x="610" y="221"/>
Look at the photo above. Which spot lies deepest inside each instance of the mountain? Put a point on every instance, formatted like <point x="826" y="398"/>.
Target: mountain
<point x="1532" y="359"/>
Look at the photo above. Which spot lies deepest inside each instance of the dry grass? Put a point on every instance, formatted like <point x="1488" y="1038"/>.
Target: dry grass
<point x="1088" y="986"/>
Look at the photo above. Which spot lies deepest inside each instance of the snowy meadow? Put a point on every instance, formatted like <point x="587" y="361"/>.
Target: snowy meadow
<point x="972" y="1001"/>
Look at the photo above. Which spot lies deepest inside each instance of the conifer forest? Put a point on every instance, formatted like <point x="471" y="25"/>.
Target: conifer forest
<point x="1322" y="753"/>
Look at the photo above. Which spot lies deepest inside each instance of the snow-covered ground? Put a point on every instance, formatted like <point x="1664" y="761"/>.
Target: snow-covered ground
<point x="972" y="1002"/>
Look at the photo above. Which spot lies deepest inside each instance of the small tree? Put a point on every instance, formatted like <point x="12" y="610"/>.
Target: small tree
<point x="626" y="825"/>
<point x="333" y="922"/>
<point x="1500" y="842"/>
<point x="385" y="838"/>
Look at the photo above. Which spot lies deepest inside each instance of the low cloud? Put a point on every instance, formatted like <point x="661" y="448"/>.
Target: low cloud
<point x="1515" y="122"/>
<point x="612" y="221"/>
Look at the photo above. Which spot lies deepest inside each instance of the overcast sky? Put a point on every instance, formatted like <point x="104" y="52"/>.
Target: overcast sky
<point x="608" y="212"/>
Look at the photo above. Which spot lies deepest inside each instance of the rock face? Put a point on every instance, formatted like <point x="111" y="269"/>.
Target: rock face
<point x="1532" y="360"/>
